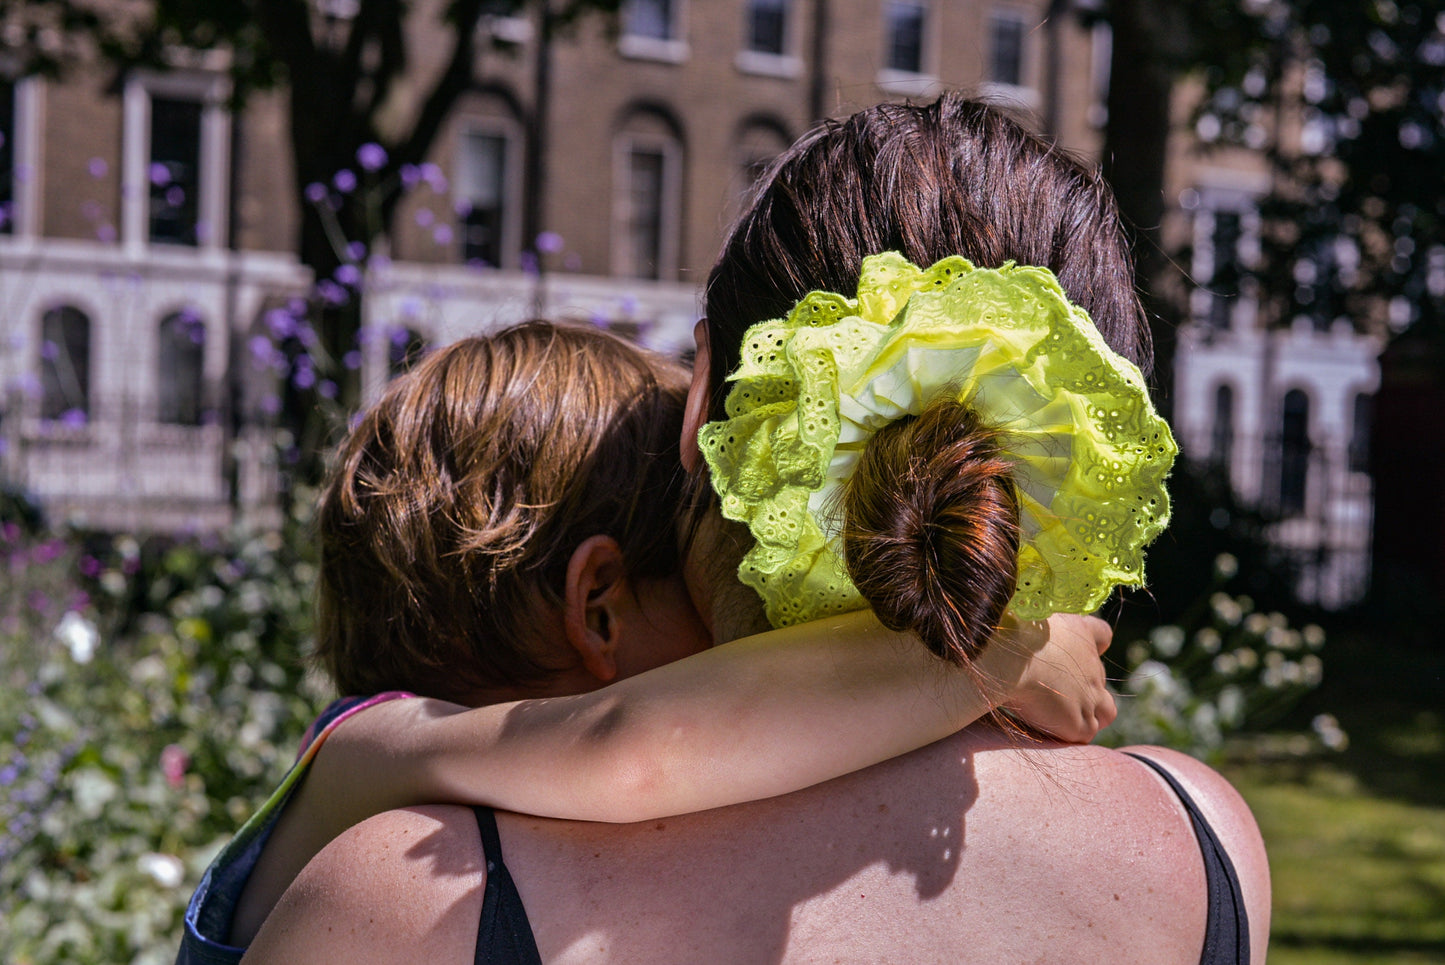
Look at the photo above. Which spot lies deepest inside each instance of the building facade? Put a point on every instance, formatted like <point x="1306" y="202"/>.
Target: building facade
<point x="1280" y="408"/>
<point x="148" y="230"/>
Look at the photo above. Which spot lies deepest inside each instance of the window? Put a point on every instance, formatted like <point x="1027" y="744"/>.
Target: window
<point x="1006" y="48"/>
<point x="481" y="183"/>
<point x="176" y="159"/>
<point x="767" y="26"/>
<point x="1221" y="441"/>
<point x="643" y="238"/>
<point x="903" y="25"/>
<point x="1294" y="453"/>
<point x="65" y="365"/>
<point x="174" y="171"/>
<point x="7" y="155"/>
<point x="1224" y="238"/>
<point x="651" y="19"/>
<point x="181" y="365"/>
<point x="1364" y="416"/>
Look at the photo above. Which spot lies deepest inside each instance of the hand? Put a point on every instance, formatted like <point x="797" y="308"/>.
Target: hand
<point x="1061" y="688"/>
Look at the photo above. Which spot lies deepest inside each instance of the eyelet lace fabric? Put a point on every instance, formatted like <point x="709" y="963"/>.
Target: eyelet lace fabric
<point x="1090" y="453"/>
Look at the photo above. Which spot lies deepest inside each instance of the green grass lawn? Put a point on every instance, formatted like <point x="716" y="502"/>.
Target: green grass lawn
<point x="1357" y="840"/>
<point x="1357" y="877"/>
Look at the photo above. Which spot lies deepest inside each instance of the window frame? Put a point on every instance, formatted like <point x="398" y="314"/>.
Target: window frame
<point x="671" y="49"/>
<point x="168" y="372"/>
<point x="784" y="62"/>
<point x="670" y="217"/>
<point x="510" y="242"/>
<point x="213" y="177"/>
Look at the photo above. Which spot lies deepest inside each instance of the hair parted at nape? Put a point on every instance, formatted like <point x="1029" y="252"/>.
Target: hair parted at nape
<point x="937" y="555"/>
<point x="452" y="509"/>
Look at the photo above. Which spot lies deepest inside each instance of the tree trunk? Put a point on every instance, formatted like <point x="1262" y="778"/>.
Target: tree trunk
<point x="1135" y="149"/>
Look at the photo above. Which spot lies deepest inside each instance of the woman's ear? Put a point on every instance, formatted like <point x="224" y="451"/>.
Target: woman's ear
<point x="694" y="416"/>
<point x="596" y="585"/>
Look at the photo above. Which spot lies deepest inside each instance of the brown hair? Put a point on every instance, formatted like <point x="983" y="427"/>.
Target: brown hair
<point x="930" y="528"/>
<point x="455" y="504"/>
<point x="933" y="546"/>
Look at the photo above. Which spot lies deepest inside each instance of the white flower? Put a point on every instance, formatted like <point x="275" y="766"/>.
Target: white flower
<point x="166" y="869"/>
<point x="79" y="636"/>
<point x="1329" y="732"/>
<point x="1225" y="566"/>
<point x="1167" y="640"/>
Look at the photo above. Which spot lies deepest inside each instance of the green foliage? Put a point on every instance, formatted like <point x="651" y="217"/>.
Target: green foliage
<point x="153" y="694"/>
<point x="1353" y="223"/>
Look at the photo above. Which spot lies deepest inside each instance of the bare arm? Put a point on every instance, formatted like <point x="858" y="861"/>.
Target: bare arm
<point x="743" y="721"/>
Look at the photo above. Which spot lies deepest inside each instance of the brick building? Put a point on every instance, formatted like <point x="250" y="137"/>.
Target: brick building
<point x="148" y="230"/>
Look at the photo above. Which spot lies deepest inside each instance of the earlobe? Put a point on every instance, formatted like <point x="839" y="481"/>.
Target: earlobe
<point x="694" y="416"/>
<point x="596" y="583"/>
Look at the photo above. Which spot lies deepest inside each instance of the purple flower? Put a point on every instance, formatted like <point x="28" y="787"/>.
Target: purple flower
<point x="175" y="196"/>
<point x="73" y="419"/>
<point x="356" y="251"/>
<point x="399" y="337"/>
<point x="8" y="774"/>
<point x="105" y="234"/>
<point x="442" y="234"/>
<point x="49" y="350"/>
<point x="316" y="192"/>
<point x="462" y="208"/>
<point x="281" y="323"/>
<point x="89" y="566"/>
<point x="349" y="275"/>
<point x="549" y="242"/>
<point x="326" y="388"/>
<point x="410" y="175"/>
<point x="344" y="181"/>
<point x="271" y="405"/>
<point x="572" y="261"/>
<point x="371" y="156"/>
<point x="304" y="377"/>
<point x="261" y="351"/>
<point x="433" y="176"/>
<point x="307" y="335"/>
<point x="529" y="262"/>
<point x="38" y="601"/>
<point x="297" y="307"/>
<point x="380" y="263"/>
<point x="424" y="217"/>
<point x="330" y="292"/>
<point x="352" y="360"/>
<point x="160" y="174"/>
<point x="97" y="167"/>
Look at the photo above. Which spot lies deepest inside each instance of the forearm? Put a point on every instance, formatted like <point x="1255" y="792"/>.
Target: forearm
<point x="748" y="720"/>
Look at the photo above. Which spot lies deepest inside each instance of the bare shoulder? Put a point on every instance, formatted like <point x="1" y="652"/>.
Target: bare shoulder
<point x="1236" y="827"/>
<point x="403" y="886"/>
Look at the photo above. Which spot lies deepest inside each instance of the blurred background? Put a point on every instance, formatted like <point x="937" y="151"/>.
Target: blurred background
<point x="224" y="227"/>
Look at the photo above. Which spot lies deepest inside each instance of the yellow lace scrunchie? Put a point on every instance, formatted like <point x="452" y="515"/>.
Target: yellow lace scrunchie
<point x="1090" y="453"/>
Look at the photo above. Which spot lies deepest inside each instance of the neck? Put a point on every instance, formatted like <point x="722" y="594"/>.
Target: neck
<point x="729" y="609"/>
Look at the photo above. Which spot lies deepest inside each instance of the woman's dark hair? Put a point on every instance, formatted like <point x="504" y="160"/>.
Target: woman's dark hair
<point x="934" y="545"/>
<point x="931" y="530"/>
<point x="955" y="177"/>
<point x="455" y="504"/>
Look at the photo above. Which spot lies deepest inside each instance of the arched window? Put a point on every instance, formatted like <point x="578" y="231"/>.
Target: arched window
<point x="1221" y="440"/>
<point x="65" y="365"/>
<point x="1364" y="416"/>
<point x="1294" y="453"/>
<point x="647" y="202"/>
<point x="180" y="375"/>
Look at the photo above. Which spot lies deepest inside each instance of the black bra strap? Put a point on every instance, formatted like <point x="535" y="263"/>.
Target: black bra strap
<point x="504" y="935"/>
<point x="1226" y="929"/>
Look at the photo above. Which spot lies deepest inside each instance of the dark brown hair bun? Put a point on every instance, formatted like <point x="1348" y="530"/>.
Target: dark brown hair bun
<point x="931" y="531"/>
